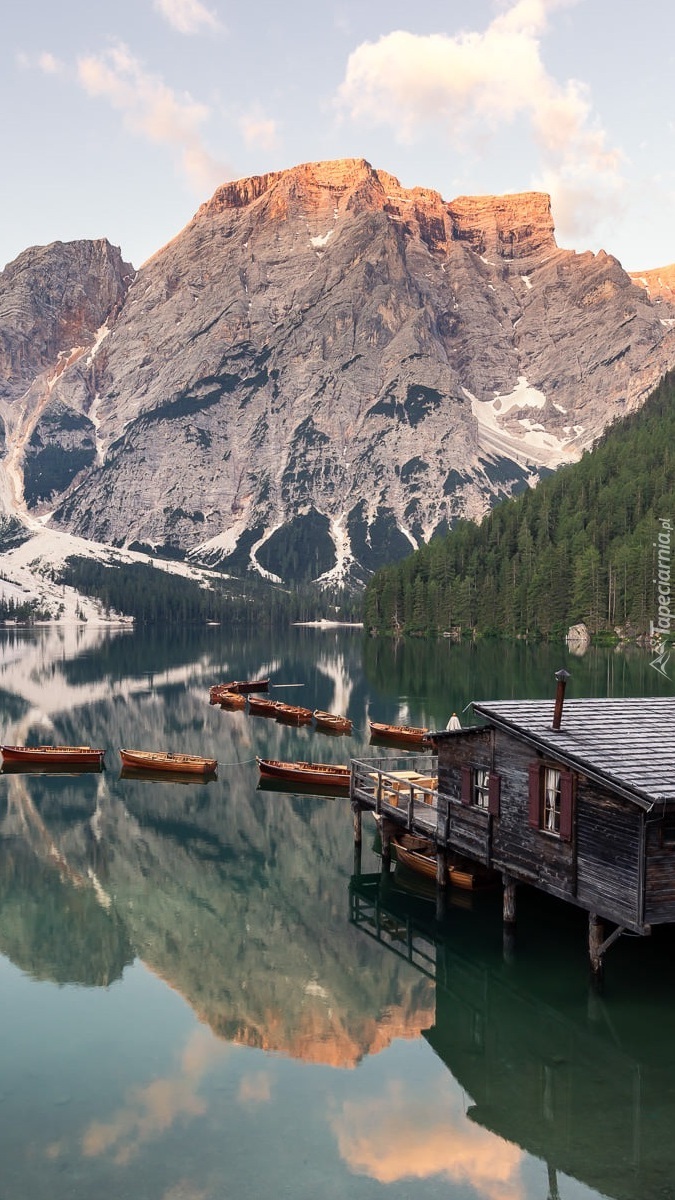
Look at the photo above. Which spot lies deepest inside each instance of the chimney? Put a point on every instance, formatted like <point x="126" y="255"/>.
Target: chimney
<point x="562" y="677"/>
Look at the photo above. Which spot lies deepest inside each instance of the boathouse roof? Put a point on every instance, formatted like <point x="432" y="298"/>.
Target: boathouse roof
<point x="626" y="744"/>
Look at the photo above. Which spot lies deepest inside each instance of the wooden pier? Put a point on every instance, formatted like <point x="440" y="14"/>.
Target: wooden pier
<point x="404" y="791"/>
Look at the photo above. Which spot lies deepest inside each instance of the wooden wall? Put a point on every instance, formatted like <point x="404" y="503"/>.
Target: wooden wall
<point x="608" y="853"/>
<point x="598" y="869"/>
<point x="660" y="874"/>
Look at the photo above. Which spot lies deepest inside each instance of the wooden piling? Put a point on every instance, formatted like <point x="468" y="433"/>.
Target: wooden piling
<point x="509" y="901"/>
<point x="595" y="944"/>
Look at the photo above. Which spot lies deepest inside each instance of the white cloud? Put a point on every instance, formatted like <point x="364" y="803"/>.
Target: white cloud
<point x="50" y="64"/>
<point x="259" y="130"/>
<point x="153" y="110"/>
<point x="46" y="62"/>
<point x="187" y="16"/>
<point x="475" y="83"/>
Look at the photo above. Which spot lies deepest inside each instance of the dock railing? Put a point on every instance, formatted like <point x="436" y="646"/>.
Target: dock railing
<point x="405" y="791"/>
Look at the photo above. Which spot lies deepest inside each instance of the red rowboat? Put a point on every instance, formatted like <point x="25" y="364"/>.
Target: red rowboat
<point x="305" y="772"/>
<point x="262" y="706"/>
<point x="406" y="734"/>
<point x="294" y="714"/>
<point x="232" y="700"/>
<point x="161" y="760"/>
<point x="418" y="854"/>
<point x="53" y="755"/>
<point x="239" y="685"/>
<point x="332" y="722"/>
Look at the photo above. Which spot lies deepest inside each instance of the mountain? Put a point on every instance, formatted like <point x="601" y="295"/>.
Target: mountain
<point x="318" y="373"/>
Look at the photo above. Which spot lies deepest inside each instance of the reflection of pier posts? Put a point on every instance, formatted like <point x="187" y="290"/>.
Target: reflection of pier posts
<point x="441" y="882"/>
<point x="357" y="858"/>
<point x="385" y="840"/>
<point x="553" y="1193"/>
<point x="358" y="823"/>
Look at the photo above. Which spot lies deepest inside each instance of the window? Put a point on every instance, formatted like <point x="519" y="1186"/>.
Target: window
<point x="551" y="800"/>
<point x="551" y="812"/>
<point x="667" y="833"/>
<point x="481" y="789"/>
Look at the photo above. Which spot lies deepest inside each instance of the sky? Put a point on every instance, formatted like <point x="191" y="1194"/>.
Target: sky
<point x="120" y="119"/>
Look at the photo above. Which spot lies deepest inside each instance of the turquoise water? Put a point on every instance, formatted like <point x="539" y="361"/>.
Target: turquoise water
<point x="200" y="999"/>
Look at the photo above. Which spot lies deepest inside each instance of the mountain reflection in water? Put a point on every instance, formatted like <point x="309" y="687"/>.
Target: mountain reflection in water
<point x="233" y="1009"/>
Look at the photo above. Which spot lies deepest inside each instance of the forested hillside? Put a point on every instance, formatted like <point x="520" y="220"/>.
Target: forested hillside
<point x="151" y="595"/>
<point x="582" y="546"/>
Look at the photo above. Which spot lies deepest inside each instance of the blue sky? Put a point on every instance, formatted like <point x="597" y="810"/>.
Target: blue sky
<point x="121" y="119"/>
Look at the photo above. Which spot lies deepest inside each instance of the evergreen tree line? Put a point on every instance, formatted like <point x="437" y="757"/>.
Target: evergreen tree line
<point x="152" y="595"/>
<point x="25" y="611"/>
<point x="582" y="546"/>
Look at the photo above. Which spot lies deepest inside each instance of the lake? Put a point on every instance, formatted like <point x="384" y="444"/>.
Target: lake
<point x="201" y="1000"/>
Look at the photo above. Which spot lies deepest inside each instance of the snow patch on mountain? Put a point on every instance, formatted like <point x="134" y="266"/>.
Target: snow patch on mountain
<point x="255" y="565"/>
<point x="34" y="567"/>
<point x="502" y="431"/>
<point x="321" y="240"/>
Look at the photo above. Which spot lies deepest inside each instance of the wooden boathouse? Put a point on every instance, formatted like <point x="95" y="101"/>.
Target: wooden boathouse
<point x="575" y="797"/>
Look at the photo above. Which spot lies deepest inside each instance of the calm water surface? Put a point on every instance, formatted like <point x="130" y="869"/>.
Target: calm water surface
<point x="200" y="1000"/>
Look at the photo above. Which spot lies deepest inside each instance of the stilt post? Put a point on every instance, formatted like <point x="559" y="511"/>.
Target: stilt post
<point x="509" y="902"/>
<point x="595" y="941"/>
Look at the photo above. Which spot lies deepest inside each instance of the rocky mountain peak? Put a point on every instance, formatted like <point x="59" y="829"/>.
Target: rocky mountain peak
<point x="517" y="226"/>
<point x="659" y="283"/>
<point x="53" y="299"/>
<point x="322" y="370"/>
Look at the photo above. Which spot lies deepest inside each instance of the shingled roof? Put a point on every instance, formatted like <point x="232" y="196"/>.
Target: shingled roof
<point x="628" y="744"/>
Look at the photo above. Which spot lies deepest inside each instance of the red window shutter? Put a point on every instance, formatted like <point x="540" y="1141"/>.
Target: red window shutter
<point x="534" y="804"/>
<point x="466" y="785"/>
<point x="494" y="792"/>
<point x="566" y="806"/>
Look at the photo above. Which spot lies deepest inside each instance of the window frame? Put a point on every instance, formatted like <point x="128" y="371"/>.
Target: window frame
<point x="490" y="788"/>
<point x="480" y="788"/>
<point x="564" y="803"/>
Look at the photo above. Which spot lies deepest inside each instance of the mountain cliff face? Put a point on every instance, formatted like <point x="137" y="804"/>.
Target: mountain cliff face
<point x="322" y="370"/>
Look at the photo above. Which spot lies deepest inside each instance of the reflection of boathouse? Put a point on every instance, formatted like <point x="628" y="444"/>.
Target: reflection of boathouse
<point x="576" y="799"/>
<point x="581" y="1083"/>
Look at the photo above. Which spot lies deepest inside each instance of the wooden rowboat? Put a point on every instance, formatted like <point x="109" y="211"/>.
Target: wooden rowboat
<point x="162" y="760"/>
<point x="406" y="734"/>
<point x="232" y="700"/>
<point x="419" y="855"/>
<point x="294" y="714"/>
<point x="237" y="685"/>
<point x="53" y="755"/>
<point x="328" y="774"/>
<point x="262" y="706"/>
<point x="332" y="722"/>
